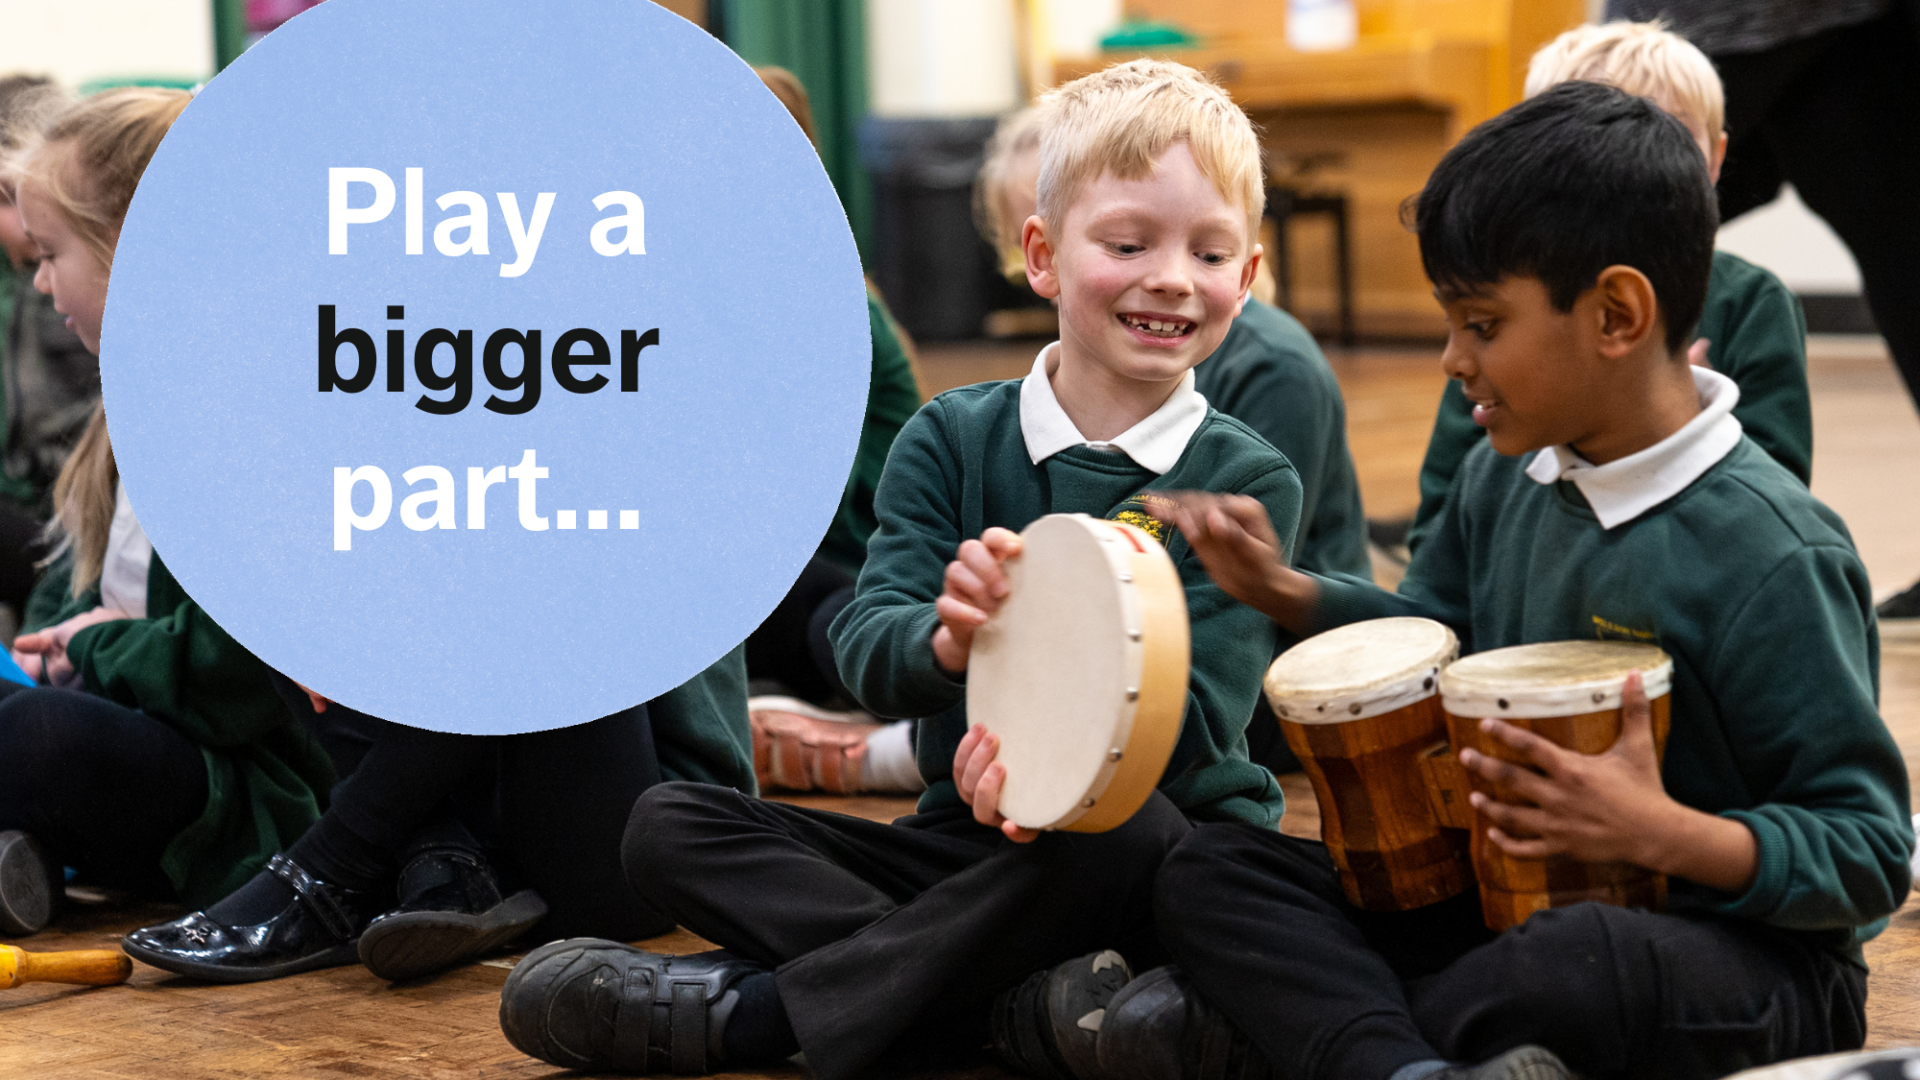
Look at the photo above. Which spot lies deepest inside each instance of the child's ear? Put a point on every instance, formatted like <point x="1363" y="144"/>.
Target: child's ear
<point x="1042" y="275"/>
<point x="1629" y="310"/>
<point x="1248" y="275"/>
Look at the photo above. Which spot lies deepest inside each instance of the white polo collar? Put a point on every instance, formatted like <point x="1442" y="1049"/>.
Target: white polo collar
<point x="1622" y="490"/>
<point x="1155" y="443"/>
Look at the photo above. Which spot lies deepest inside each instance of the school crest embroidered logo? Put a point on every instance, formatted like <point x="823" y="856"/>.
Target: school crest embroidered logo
<point x="1134" y="512"/>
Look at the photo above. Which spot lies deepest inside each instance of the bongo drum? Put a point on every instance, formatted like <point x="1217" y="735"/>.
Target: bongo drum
<point x="1360" y="707"/>
<point x="1082" y="673"/>
<point x="1567" y="692"/>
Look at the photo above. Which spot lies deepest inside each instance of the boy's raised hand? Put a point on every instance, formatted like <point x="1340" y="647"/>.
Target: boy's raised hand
<point x="975" y="587"/>
<point x="1242" y="554"/>
<point x="1609" y="807"/>
<point x="979" y="779"/>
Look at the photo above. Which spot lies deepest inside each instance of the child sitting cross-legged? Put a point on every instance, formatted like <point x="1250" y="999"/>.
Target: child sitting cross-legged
<point x="1569" y="240"/>
<point x="851" y="940"/>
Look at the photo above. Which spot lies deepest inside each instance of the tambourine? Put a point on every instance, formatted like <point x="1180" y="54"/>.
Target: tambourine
<point x="1082" y="673"/>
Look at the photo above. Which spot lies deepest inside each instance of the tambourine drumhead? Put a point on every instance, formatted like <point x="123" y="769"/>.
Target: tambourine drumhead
<point x="1553" y="678"/>
<point x="1082" y="673"/>
<point x="1359" y="670"/>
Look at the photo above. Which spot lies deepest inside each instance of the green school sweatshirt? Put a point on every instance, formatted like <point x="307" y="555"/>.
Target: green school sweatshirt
<point x="267" y="778"/>
<point x="960" y="467"/>
<point x="1754" y="588"/>
<point x="892" y="397"/>
<point x="700" y="728"/>
<point x="1757" y="336"/>
<point x="1270" y="375"/>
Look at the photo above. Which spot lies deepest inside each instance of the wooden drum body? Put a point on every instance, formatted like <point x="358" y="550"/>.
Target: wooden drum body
<point x="1360" y="708"/>
<point x="1082" y="673"/>
<point x="1569" y="693"/>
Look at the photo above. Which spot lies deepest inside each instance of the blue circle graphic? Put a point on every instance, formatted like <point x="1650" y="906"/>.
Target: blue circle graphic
<point x="486" y="366"/>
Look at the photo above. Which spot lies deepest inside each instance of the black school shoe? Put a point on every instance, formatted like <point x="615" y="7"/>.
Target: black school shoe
<point x="450" y="911"/>
<point x="1048" y="1026"/>
<point x="319" y="928"/>
<point x="590" y="1004"/>
<point x="30" y="885"/>
<point x="1158" y="1028"/>
<point x="1900" y="613"/>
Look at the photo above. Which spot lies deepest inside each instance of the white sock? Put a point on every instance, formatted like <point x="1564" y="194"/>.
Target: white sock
<point x="890" y="765"/>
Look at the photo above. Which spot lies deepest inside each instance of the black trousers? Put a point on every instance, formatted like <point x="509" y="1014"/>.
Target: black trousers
<point x="1327" y="991"/>
<point x="549" y="807"/>
<point x="893" y="939"/>
<point x="106" y="788"/>
<point x="1834" y="114"/>
<point x="791" y="646"/>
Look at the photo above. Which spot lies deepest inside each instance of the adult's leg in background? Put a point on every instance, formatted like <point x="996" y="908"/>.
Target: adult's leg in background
<point x="1842" y="127"/>
<point x="105" y="788"/>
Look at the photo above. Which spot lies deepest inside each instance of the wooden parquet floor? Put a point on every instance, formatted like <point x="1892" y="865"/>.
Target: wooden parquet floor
<point x="346" y="1023"/>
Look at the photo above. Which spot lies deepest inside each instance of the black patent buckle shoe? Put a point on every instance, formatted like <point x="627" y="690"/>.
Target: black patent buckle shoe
<point x="320" y="928"/>
<point x="31" y="885"/>
<point x="1048" y="1026"/>
<point x="1158" y="1028"/>
<point x="450" y="911"/>
<point x="585" y="1003"/>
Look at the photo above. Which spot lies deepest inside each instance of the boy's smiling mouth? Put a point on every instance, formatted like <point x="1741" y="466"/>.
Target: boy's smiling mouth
<point x="1157" y="326"/>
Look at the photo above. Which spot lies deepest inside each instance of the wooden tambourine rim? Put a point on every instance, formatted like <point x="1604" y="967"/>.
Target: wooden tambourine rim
<point x="1157" y="654"/>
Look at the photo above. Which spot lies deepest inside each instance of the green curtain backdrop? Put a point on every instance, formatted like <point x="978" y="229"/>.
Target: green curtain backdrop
<point x="824" y="43"/>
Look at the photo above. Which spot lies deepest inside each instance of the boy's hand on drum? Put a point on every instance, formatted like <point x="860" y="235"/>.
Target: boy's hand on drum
<point x="49" y="645"/>
<point x="979" y="778"/>
<point x="1609" y="807"/>
<point x="1242" y="554"/>
<point x="975" y="588"/>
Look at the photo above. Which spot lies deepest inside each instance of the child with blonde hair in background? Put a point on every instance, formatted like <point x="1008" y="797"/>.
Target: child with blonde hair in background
<point x="49" y="382"/>
<point x="158" y="759"/>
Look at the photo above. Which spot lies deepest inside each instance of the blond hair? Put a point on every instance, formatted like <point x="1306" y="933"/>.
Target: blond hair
<point x="1643" y="58"/>
<point x="1119" y="120"/>
<point x="1016" y="136"/>
<point x="88" y="164"/>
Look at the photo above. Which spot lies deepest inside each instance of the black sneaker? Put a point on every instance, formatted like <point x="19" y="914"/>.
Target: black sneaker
<point x="1900" y="613"/>
<point x="450" y="911"/>
<point x="598" y="1005"/>
<point x="319" y="928"/>
<point x="1158" y="1028"/>
<point x="30" y="885"/>
<point x="1519" y="1063"/>
<point x="1047" y="1027"/>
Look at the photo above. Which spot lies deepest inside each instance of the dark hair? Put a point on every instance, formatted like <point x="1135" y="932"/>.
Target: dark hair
<point x="1566" y="184"/>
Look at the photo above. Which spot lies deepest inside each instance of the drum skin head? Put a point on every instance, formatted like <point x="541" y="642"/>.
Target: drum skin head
<point x="1552" y="678"/>
<point x="1359" y="670"/>
<point x="1057" y="672"/>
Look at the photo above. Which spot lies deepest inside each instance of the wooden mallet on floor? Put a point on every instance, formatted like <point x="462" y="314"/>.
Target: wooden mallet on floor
<point x="82" y="967"/>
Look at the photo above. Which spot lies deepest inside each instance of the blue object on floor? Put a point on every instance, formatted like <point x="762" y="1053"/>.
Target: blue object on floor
<point x="11" y="672"/>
